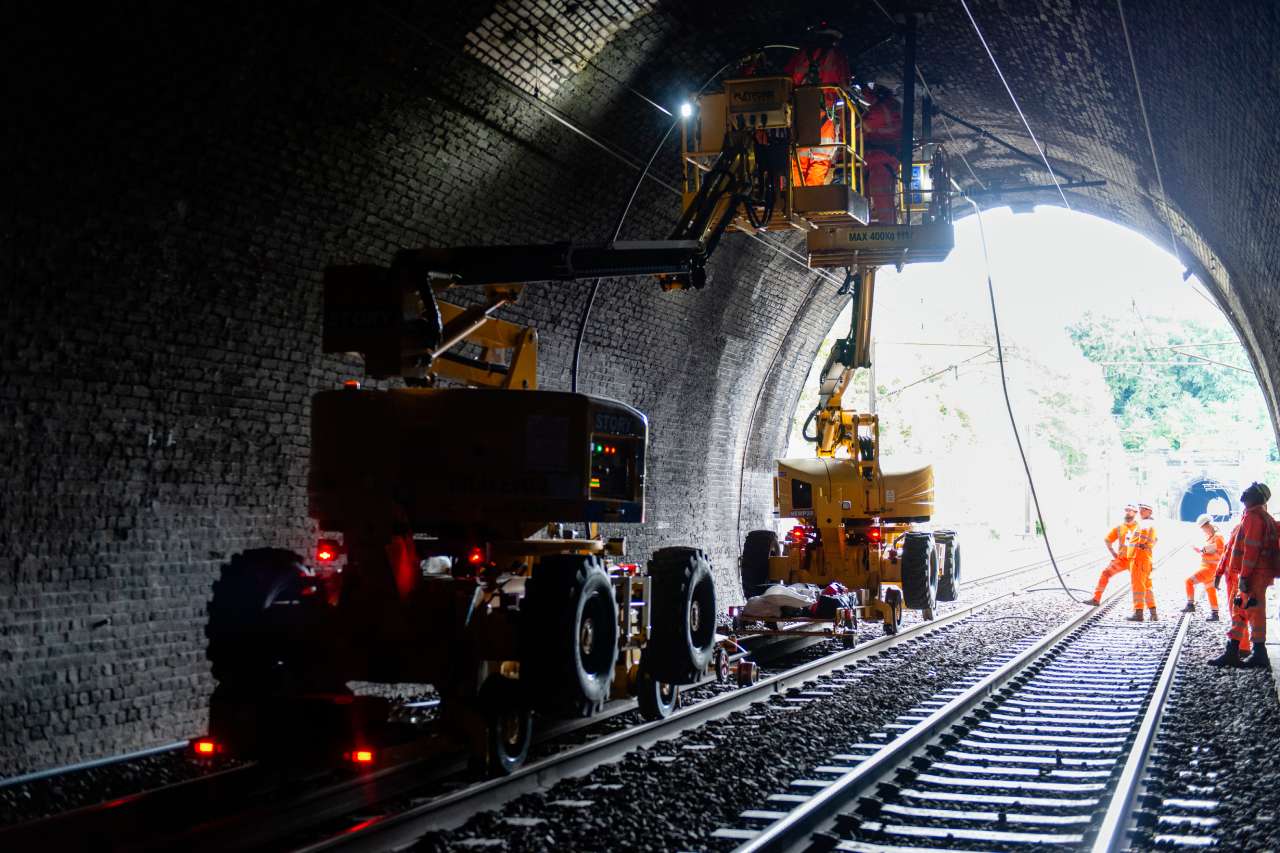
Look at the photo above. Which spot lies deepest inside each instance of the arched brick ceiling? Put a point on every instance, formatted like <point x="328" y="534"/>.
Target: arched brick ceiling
<point x="1208" y="73"/>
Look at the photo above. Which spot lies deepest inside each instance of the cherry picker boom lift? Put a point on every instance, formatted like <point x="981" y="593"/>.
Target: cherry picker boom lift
<point x="460" y="514"/>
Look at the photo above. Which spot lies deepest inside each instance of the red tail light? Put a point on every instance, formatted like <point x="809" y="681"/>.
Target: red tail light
<point x="874" y="534"/>
<point x="360" y="756"/>
<point x="327" y="550"/>
<point x="798" y="534"/>
<point x="476" y="557"/>
<point x="206" y="746"/>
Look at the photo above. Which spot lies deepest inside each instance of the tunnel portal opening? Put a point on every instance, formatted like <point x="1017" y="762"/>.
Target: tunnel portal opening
<point x="1205" y="496"/>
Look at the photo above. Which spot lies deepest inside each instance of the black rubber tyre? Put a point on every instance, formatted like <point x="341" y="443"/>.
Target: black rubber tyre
<point x="261" y="626"/>
<point x="569" y="625"/>
<point x="682" y="633"/>
<point x="919" y="571"/>
<point x="949" y="577"/>
<point x="753" y="566"/>
<point x="658" y="699"/>
<point x="893" y="597"/>
<point x="508" y="726"/>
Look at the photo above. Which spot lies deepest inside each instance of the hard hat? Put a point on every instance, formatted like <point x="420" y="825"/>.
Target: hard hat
<point x="1258" y="491"/>
<point x="1204" y="519"/>
<point x="1145" y="506"/>
<point x="1131" y="507"/>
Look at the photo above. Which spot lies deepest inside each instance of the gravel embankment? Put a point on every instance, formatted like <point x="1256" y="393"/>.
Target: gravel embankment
<point x="1218" y="744"/>
<point x="675" y="794"/>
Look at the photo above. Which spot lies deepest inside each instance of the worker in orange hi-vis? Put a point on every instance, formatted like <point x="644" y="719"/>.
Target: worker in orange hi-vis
<point x="1210" y="555"/>
<point x="1144" y="543"/>
<point x="813" y="165"/>
<point x="1117" y="542"/>
<point x="1249" y="563"/>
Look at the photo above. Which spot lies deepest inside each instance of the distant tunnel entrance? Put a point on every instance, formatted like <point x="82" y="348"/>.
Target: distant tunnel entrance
<point x="1205" y="496"/>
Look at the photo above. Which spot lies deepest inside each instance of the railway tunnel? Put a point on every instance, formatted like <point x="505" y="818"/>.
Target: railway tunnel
<point x="182" y="178"/>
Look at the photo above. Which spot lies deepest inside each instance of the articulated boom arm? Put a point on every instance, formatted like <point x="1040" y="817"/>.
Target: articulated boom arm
<point x="838" y="427"/>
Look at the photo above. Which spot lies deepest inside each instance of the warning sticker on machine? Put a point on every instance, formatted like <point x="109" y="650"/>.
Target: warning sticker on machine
<point x="890" y="496"/>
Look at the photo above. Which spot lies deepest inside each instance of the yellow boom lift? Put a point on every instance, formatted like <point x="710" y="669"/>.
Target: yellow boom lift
<point x="460" y="514"/>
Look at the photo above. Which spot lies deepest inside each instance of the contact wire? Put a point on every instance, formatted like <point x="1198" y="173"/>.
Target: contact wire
<point x="1013" y="421"/>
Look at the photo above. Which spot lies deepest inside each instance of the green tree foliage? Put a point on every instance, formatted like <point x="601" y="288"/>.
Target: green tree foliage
<point x="1164" y="397"/>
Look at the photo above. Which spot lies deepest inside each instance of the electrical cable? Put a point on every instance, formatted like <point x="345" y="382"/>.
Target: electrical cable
<point x="626" y="210"/>
<point x="1016" y="106"/>
<point x="1013" y="421"/>
<point x="1142" y="107"/>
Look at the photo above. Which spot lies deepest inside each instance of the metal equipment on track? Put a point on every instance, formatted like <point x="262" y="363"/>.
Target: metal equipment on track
<point x="1031" y="752"/>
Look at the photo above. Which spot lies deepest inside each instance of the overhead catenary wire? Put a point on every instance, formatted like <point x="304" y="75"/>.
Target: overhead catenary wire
<point x="1052" y="174"/>
<point x="1146" y="123"/>
<point x="1013" y="421"/>
<point x="626" y="210"/>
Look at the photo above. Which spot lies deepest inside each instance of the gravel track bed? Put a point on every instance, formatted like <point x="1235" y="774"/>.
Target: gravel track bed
<point x="57" y="794"/>
<point x="69" y="791"/>
<point x="676" y="793"/>
<point x="1217" y="743"/>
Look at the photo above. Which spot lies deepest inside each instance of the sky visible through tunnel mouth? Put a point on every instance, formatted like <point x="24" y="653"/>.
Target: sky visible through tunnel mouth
<point x="1127" y="381"/>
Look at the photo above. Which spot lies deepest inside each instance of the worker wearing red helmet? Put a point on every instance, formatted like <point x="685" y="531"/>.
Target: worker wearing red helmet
<point x="1117" y="542"/>
<point x="1249" y="564"/>
<point x="821" y="62"/>
<point x="1210" y="555"/>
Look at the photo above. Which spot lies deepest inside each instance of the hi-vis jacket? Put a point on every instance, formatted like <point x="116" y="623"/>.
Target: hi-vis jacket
<point x="1252" y="549"/>
<point x="1120" y="536"/>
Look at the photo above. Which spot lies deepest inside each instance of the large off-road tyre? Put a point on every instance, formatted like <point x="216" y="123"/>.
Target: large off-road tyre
<point x="919" y="571"/>
<point x="263" y="630"/>
<point x="682" y="632"/>
<point x="569" y="629"/>
<point x="759" y="546"/>
<point x="949" y="577"/>
<point x="508" y="723"/>
<point x="658" y="699"/>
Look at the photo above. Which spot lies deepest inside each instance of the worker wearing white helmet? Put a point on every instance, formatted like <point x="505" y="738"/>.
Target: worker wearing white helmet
<point x="1210" y="553"/>
<point x="1118" y="544"/>
<point x="1144" y="543"/>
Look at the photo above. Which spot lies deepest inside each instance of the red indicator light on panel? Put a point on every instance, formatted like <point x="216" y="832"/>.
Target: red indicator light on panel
<point x="476" y="557"/>
<point x="205" y="746"/>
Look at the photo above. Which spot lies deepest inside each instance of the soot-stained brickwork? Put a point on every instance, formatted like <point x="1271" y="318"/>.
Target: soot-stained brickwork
<point x="182" y="178"/>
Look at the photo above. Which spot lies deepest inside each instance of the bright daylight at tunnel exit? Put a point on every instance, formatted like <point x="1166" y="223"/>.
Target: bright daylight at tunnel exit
<point x="635" y="425"/>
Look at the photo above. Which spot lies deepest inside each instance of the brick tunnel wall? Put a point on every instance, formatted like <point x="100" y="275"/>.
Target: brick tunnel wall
<point x="184" y="183"/>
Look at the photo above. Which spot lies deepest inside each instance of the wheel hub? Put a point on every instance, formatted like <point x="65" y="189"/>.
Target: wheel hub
<point x="587" y="635"/>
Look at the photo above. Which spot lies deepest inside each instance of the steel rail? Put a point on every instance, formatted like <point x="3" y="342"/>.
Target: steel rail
<point x="1114" y="831"/>
<point x="135" y="816"/>
<point x="403" y="828"/>
<point x="793" y="831"/>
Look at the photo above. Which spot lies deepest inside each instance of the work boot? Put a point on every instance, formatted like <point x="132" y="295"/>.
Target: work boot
<point x="1229" y="657"/>
<point x="1136" y="617"/>
<point x="1093" y="602"/>
<point x="1213" y="616"/>
<point x="1153" y="614"/>
<point x="1190" y="608"/>
<point x="1258" y="658"/>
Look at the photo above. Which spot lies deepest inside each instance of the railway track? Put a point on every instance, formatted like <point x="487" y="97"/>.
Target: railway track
<point x="1044" y="748"/>
<point x="163" y="819"/>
